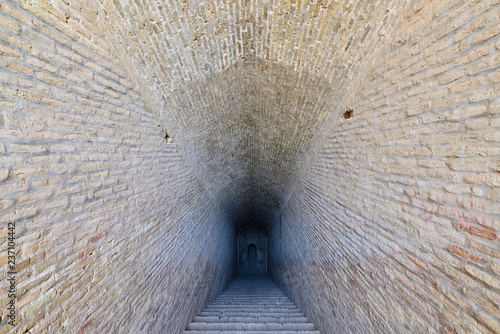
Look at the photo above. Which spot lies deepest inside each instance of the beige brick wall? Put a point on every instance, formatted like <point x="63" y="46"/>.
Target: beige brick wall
<point x="424" y="125"/>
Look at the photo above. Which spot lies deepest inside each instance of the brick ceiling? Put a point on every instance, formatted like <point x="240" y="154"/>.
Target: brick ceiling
<point x="248" y="89"/>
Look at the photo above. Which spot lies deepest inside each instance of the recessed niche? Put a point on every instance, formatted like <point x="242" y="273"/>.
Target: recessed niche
<point x="348" y="114"/>
<point x="168" y="138"/>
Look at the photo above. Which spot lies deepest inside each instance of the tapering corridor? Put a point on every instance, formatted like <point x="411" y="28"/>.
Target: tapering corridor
<point x="152" y="151"/>
<point x="251" y="305"/>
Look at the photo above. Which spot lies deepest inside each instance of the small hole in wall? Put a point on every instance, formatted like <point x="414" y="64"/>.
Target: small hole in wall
<point x="168" y="138"/>
<point x="348" y="114"/>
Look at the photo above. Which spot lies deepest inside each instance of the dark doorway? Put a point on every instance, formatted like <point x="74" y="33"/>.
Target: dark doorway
<point x="252" y="251"/>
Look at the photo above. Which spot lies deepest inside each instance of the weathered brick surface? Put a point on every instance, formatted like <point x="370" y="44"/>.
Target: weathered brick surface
<point x="111" y="225"/>
<point x="399" y="212"/>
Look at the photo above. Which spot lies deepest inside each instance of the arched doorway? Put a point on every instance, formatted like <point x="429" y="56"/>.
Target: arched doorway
<point x="252" y="251"/>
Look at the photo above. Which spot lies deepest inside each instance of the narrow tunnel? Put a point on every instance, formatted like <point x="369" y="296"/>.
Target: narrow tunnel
<point x="321" y="166"/>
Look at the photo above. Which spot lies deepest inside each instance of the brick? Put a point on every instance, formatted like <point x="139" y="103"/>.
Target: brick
<point x="63" y="147"/>
<point x="467" y="255"/>
<point x="482" y="233"/>
<point x="4" y="174"/>
<point x="58" y="203"/>
<point x="86" y="167"/>
<point x="457" y="298"/>
<point x="466" y="112"/>
<point x="26" y="172"/>
<point x="26" y="148"/>
<point x="41" y="64"/>
<point x="494" y="297"/>
<point x="468" y="164"/>
<point x="48" y="182"/>
<point x="483" y="276"/>
<point x="98" y="236"/>
<point x="19" y="214"/>
<point x="50" y="79"/>
<point x="19" y="94"/>
<point x="493" y="194"/>
<point x="71" y="54"/>
<point x="38" y="196"/>
<point x="489" y="321"/>
<point x="85" y="326"/>
<point x="478" y="123"/>
<point x="15" y="66"/>
<point x="443" y="323"/>
<point x="9" y="52"/>
<point x="428" y="163"/>
<point x="486" y="34"/>
<point x="476" y="325"/>
<point x="63" y="168"/>
<point x="448" y="127"/>
<point x="484" y="151"/>
<point x="9" y="24"/>
<point x="10" y="187"/>
<point x="492" y="136"/>
<point x="486" y="179"/>
<point x="24" y="122"/>
<point x="82" y="263"/>
<point x="39" y="303"/>
<point x="5" y="203"/>
<point x="26" y="299"/>
<point x="43" y="135"/>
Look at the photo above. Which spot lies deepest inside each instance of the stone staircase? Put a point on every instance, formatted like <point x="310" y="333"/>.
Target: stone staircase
<point x="251" y="305"/>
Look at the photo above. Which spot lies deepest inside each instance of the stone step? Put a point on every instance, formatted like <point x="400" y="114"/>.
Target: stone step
<point x="238" y="326"/>
<point x="253" y="310"/>
<point x="243" y="299"/>
<point x="245" y="319"/>
<point x="252" y="302"/>
<point x="250" y="297"/>
<point x="246" y="301"/>
<point x="254" y="297"/>
<point x="252" y="307"/>
<point x="251" y="332"/>
<point x="246" y="293"/>
<point x="236" y="304"/>
<point x="251" y="314"/>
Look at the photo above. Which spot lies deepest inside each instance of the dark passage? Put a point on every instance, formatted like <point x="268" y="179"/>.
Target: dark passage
<point x="252" y="257"/>
<point x="252" y="251"/>
<point x="252" y="303"/>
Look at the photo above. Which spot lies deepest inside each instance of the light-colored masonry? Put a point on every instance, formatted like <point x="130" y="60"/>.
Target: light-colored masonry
<point x="138" y="137"/>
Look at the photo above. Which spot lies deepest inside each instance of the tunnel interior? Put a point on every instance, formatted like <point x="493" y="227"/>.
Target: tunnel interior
<point x="153" y="151"/>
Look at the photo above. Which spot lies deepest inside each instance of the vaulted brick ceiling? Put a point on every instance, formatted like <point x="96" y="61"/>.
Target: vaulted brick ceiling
<point x="248" y="89"/>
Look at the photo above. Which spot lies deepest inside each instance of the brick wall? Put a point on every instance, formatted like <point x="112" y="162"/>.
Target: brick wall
<point x="396" y="227"/>
<point x="110" y="222"/>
